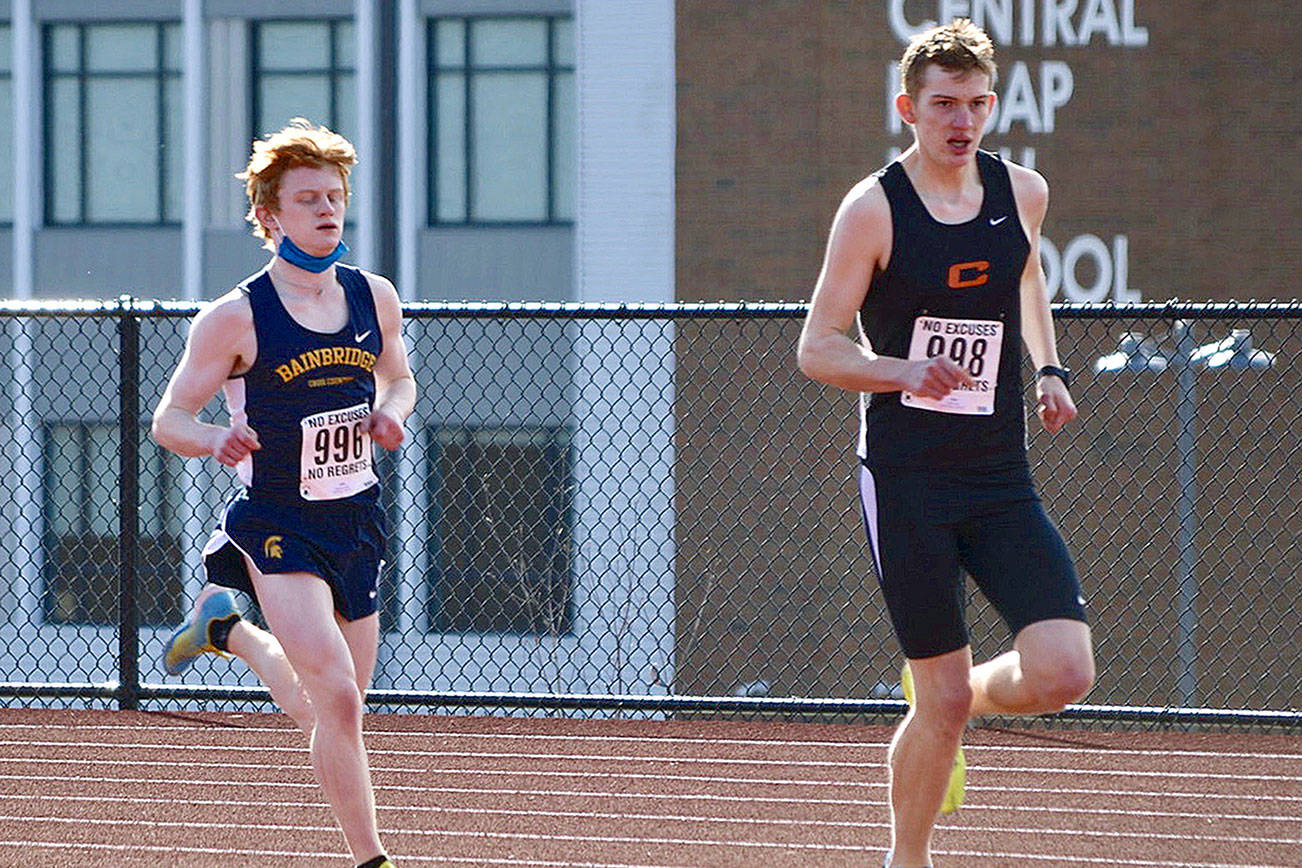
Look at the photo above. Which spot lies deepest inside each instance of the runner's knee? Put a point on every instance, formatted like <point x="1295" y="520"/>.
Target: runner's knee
<point x="1061" y="684"/>
<point x="335" y="696"/>
<point x="947" y="706"/>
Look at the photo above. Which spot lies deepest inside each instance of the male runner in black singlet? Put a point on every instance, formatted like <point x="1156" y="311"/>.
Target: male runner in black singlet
<point x="311" y="358"/>
<point x="936" y="260"/>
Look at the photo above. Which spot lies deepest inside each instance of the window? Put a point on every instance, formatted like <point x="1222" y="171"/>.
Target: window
<point x="502" y="531"/>
<point x="304" y="69"/>
<point x="113" y="123"/>
<point x="81" y="527"/>
<point x="502" y="120"/>
<point x="6" y="125"/>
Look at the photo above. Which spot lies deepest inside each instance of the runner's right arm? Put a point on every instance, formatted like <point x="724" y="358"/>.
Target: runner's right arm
<point x="220" y="339"/>
<point x="859" y="246"/>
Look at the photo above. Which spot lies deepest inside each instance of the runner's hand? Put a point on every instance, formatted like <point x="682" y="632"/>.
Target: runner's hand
<point x="1054" y="406"/>
<point x="385" y="430"/>
<point x="235" y="443"/>
<point x="936" y="377"/>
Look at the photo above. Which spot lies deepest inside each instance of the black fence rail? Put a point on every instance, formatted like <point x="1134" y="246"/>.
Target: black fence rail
<point x="646" y="509"/>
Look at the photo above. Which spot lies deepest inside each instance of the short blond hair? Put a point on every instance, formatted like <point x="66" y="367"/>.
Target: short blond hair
<point x="959" y="46"/>
<point x="297" y="145"/>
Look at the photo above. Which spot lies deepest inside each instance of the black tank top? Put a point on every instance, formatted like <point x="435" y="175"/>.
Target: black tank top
<point x="306" y="396"/>
<point x="951" y="288"/>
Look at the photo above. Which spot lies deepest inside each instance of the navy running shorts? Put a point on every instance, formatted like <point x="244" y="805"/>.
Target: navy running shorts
<point x="928" y="527"/>
<point x="342" y="542"/>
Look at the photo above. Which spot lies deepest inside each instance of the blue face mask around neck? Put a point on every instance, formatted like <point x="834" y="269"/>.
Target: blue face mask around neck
<point x="297" y="256"/>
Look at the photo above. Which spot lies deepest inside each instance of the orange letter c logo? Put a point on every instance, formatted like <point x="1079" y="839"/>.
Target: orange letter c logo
<point x="966" y="274"/>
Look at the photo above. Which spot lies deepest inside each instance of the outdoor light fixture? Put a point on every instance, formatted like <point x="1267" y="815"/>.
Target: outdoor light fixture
<point x="1135" y="352"/>
<point x="1235" y="352"/>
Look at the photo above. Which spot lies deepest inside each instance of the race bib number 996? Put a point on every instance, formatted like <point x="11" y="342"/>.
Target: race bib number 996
<point x="336" y="458"/>
<point x="972" y="344"/>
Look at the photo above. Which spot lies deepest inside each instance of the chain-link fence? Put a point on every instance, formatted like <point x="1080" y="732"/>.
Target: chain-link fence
<point x="649" y="509"/>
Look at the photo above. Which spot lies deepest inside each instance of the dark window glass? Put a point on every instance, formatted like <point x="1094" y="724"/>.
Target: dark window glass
<point x="500" y="546"/>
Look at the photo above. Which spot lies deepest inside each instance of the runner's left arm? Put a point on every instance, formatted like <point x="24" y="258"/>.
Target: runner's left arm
<point x="1054" y="404"/>
<point x="395" y="387"/>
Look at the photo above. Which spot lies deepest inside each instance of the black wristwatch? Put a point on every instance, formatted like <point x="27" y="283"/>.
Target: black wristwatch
<point x="1063" y="374"/>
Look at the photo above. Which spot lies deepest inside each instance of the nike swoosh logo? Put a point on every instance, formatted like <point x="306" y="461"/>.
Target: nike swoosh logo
<point x="995" y="221"/>
<point x="363" y="336"/>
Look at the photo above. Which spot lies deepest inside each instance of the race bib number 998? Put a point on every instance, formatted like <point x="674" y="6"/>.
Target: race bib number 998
<point x="972" y="344"/>
<point x="336" y="458"/>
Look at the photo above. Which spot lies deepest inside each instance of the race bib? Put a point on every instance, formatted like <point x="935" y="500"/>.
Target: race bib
<point x="973" y="344"/>
<point x="336" y="457"/>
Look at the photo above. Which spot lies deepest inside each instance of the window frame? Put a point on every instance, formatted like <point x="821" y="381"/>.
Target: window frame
<point x="160" y="74"/>
<point x="332" y="73"/>
<point x="167" y="589"/>
<point x="468" y="69"/>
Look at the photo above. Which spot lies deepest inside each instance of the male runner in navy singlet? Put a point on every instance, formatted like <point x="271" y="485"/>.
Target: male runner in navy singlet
<point x="936" y="260"/>
<point x="310" y="356"/>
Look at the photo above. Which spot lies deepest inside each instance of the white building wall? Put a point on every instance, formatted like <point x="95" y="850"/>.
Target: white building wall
<point x="622" y="639"/>
<point x="623" y="251"/>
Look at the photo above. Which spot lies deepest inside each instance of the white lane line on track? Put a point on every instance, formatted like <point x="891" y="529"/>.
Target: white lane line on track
<point x="619" y="839"/>
<point x="874" y="745"/>
<point x="113" y="761"/>
<point x="1041" y="770"/>
<point x="643" y="758"/>
<point x="80" y="779"/>
<point x="968" y="808"/>
<point x="1147" y="834"/>
<point x="1043" y="858"/>
<point x="292" y="854"/>
<point x="1054" y="859"/>
<point x="514" y="773"/>
<point x="451" y="833"/>
<point x="790" y="782"/>
<point x="442" y="754"/>
<point x="1243" y="797"/>
<point x="669" y="739"/>
<point x="1105" y="793"/>
<point x="142" y="745"/>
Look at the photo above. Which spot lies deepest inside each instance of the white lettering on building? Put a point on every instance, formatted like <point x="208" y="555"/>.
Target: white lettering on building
<point x="1087" y="270"/>
<point x="1009" y="22"/>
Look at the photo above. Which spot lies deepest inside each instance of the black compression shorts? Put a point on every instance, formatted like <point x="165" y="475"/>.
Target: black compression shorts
<point x="928" y="527"/>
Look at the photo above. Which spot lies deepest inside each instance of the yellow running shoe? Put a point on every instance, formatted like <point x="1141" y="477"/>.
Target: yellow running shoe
<point x="957" y="789"/>
<point x="957" y="784"/>
<point x="191" y="638"/>
<point x="906" y="683"/>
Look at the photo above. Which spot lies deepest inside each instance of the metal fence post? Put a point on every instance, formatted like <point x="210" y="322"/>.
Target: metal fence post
<point x="128" y="691"/>
<point x="1186" y="436"/>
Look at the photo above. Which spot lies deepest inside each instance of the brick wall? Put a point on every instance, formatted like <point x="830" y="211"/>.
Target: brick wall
<point x="1184" y="146"/>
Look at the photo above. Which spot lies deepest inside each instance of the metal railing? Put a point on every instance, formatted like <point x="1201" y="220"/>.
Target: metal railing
<point x="647" y="509"/>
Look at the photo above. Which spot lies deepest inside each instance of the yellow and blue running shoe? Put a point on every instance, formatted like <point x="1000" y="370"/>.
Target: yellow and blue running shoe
<point x="192" y="638"/>
<point x="957" y="789"/>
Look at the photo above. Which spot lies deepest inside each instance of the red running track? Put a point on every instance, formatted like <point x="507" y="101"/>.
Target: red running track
<point x="123" y="789"/>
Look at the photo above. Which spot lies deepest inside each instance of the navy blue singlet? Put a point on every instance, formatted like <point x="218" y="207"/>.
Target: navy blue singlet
<point x="306" y="396"/>
<point x="951" y="288"/>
